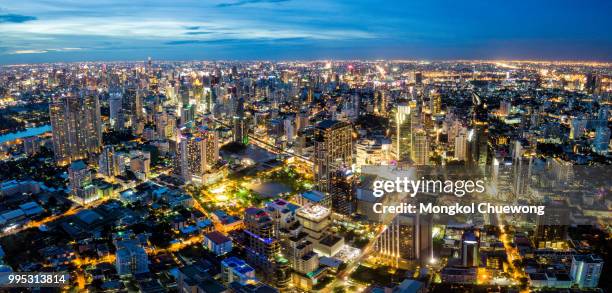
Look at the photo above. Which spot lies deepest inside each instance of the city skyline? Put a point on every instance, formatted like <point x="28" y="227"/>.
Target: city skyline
<point x="37" y="31"/>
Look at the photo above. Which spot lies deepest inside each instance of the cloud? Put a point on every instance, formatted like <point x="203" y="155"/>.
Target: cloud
<point x="245" y="2"/>
<point x="198" y="33"/>
<point x="15" y="18"/>
<point x="29" y="51"/>
<point x="189" y="42"/>
<point x="41" y="51"/>
<point x="237" y="41"/>
<point x="193" y="28"/>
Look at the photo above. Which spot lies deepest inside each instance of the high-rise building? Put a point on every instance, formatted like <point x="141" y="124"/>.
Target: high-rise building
<point x="420" y="147"/>
<point x="315" y="220"/>
<point x="478" y="148"/>
<point x="198" y="152"/>
<point x="406" y="238"/>
<point x="115" y="105"/>
<point x="402" y="137"/>
<point x="342" y="191"/>
<point x="552" y="226"/>
<point x="461" y="146"/>
<point x="435" y="103"/>
<point x="131" y="258"/>
<point x="418" y="78"/>
<point x="299" y="252"/>
<point x="470" y="244"/>
<point x="131" y="108"/>
<point x="601" y="144"/>
<point x="107" y="162"/>
<point x="240" y="133"/>
<point x="81" y="187"/>
<point x="586" y="270"/>
<point x="333" y="150"/>
<point x="263" y="247"/>
<point x="77" y="130"/>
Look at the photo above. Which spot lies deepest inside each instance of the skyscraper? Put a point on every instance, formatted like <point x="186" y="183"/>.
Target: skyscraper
<point x="601" y="144"/>
<point x="342" y="191"/>
<point x="461" y="146"/>
<point x="478" y="134"/>
<point x="420" y="147"/>
<point x="131" y="108"/>
<point x="469" y="249"/>
<point x="240" y="134"/>
<point x="402" y="136"/>
<point x="333" y="150"/>
<point x="198" y="152"/>
<point x="435" y="103"/>
<point x="408" y="237"/>
<point x="107" y="162"/>
<point x="77" y="130"/>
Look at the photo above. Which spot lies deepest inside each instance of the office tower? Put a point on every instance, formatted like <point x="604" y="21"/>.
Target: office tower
<point x="342" y="191"/>
<point x="198" y="152"/>
<point x="115" y="105"/>
<point x="77" y="130"/>
<point x="107" y="162"/>
<point x="552" y="226"/>
<point x="470" y="244"/>
<point x="187" y="114"/>
<point x="234" y="269"/>
<point x="165" y="125"/>
<point x="131" y="258"/>
<point x="380" y="102"/>
<point x="263" y="247"/>
<point x="402" y="135"/>
<point x="288" y="128"/>
<point x="81" y="187"/>
<point x="333" y="150"/>
<point x="408" y="237"/>
<point x="477" y="137"/>
<point x="435" y="103"/>
<point x="183" y="93"/>
<point x="302" y="121"/>
<point x="315" y="220"/>
<point x="420" y="147"/>
<point x="586" y="270"/>
<point x="602" y="140"/>
<point x="504" y="108"/>
<point x="478" y="134"/>
<point x="461" y="146"/>
<point x="240" y="133"/>
<point x="418" y="78"/>
<point x="592" y="83"/>
<point x="131" y="108"/>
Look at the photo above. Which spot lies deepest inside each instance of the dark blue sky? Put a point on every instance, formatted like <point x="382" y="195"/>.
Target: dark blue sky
<point x="80" y="30"/>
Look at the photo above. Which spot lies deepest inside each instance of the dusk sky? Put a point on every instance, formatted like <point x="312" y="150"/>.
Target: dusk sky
<point x="82" y="30"/>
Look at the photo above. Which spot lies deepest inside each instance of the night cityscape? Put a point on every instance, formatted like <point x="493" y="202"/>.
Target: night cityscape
<point x="133" y="159"/>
